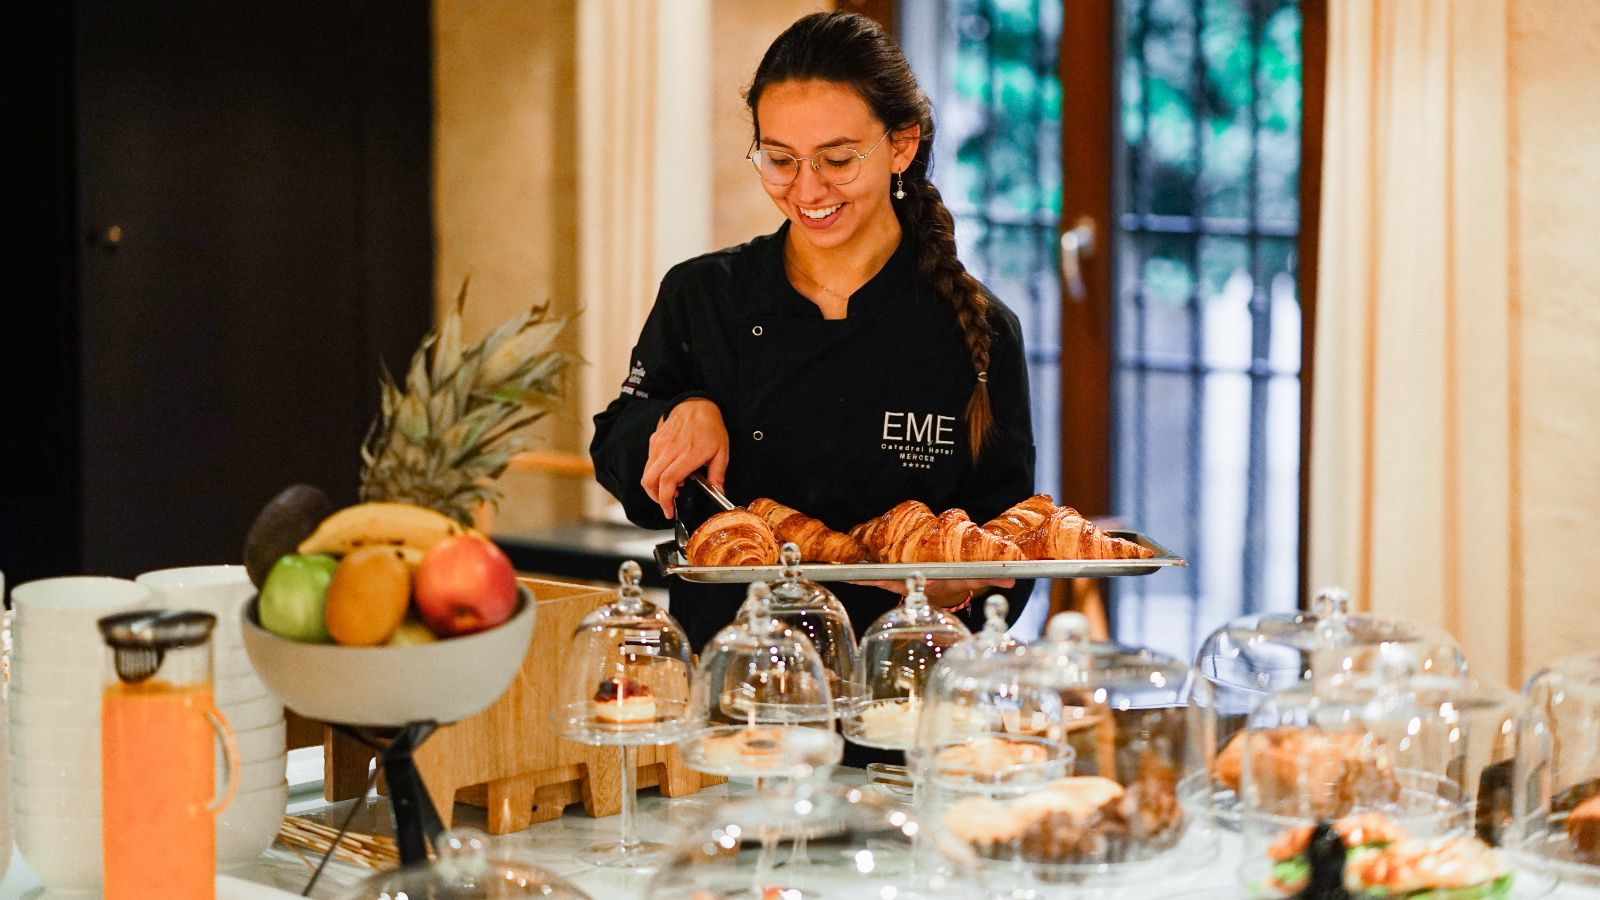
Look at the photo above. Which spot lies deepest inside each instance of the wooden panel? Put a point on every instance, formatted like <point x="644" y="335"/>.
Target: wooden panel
<point x="1313" y="73"/>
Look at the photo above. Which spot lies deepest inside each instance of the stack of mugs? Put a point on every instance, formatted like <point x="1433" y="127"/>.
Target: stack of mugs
<point x="247" y="827"/>
<point x="57" y="670"/>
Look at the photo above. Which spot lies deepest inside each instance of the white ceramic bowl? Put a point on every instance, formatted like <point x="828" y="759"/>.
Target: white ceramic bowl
<point x="78" y="645"/>
<point x="259" y="744"/>
<point x="64" y="851"/>
<point x="77" y="600"/>
<point x="248" y="826"/>
<point x="444" y="681"/>
<point x="237" y="689"/>
<point x="44" y="680"/>
<point x="219" y="590"/>
<point x="252" y="714"/>
<point x="51" y="742"/>
<point x="81" y="715"/>
<point x="264" y="774"/>
<point x="50" y="774"/>
<point x="233" y="662"/>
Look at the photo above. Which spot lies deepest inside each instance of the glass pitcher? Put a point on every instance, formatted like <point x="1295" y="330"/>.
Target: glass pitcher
<point x="159" y="727"/>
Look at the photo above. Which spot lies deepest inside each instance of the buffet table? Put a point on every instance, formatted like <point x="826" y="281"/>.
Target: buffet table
<point x="554" y="846"/>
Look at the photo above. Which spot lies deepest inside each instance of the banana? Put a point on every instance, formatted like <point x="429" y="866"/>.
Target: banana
<point x="392" y="524"/>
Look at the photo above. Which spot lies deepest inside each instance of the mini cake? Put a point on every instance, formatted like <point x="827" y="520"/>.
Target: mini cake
<point x="1583" y="829"/>
<point x="747" y="748"/>
<point x="891" y="722"/>
<point x="987" y="758"/>
<point x="623" y="701"/>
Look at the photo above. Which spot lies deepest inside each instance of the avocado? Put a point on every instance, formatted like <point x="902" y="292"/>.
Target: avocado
<point x="282" y="524"/>
<point x="295" y="595"/>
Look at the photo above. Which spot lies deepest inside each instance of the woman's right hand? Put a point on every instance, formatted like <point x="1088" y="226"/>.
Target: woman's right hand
<point x="690" y="436"/>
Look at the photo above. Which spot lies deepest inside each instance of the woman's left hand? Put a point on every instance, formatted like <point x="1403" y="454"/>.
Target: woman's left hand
<point x="944" y="594"/>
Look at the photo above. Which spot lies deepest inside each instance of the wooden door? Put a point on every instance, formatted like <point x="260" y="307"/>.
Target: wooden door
<point x="255" y="203"/>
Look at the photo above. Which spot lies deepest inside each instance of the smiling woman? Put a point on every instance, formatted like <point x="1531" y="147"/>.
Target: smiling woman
<point x="791" y="367"/>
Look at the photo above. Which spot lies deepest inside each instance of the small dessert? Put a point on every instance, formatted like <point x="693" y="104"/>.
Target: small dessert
<point x="1359" y="833"/>
<point x="1583" y="829"/>
<point x="747" y="749"/>
<point x="988" y="759"/>
<point x="623" y="701"/>
<point x="1311" y="772"/>
<point x="1456" y="868"/>
<point x="890" y="722"/>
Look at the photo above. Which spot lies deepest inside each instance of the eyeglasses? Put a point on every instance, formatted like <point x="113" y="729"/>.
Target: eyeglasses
<point x="837" y="165"/>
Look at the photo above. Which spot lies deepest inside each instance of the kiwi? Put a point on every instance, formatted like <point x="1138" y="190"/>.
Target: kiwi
<point x="282" y="524"/>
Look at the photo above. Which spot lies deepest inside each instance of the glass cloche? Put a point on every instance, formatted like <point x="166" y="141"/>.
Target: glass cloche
<point x="1124" y="819"/>
<point x="898" y="654"/>
<point x="761" y="701"/>
<point x="625" y="683"/>
<point x="1380" y="780"/>
<point x="1560" y="817"/>
<point x="1251" y="657"/>
<point x="813" y="610"/>
<point x="814" y="839"/>
<point x="467" y="867"/>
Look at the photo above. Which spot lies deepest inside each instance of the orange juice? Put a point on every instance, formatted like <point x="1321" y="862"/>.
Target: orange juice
<point x="159" y="774"/>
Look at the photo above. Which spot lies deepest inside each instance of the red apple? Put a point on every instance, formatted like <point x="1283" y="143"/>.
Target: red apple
<point x="465" y="584"/>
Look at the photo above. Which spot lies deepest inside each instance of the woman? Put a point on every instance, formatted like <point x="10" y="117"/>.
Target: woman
<point x="844" y="363"/>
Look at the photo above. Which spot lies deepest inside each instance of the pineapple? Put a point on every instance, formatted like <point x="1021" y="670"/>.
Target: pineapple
<point x="443" y="438"/>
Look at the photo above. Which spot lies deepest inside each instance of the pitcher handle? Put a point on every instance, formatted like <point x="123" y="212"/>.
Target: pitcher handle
<point x="230" y="755"/>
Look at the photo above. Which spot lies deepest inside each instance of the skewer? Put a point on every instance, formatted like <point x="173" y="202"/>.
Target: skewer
<point x="371" y="851"/>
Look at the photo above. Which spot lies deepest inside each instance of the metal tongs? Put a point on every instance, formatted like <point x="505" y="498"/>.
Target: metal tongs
<point x="682" y="533"/>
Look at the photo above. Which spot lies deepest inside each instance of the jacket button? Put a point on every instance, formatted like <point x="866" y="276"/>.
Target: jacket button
<point x="757" y="435"/>
<point x="756" y="331"/>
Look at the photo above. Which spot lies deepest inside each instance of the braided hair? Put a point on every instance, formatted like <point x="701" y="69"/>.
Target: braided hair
<point x="848" y="48"/>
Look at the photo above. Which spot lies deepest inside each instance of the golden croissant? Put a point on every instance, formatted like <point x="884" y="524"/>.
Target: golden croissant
<point x="1022" y="518"/>
<point x="817" y="542"/>
<point x="735" y="537"/>
<point x="950" y="537"/>
<point x="1066" y="535"/>
<point x="904" y="517"/>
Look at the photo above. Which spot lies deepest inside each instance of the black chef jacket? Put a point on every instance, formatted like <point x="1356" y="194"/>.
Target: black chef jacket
<point x="840" y="419"/>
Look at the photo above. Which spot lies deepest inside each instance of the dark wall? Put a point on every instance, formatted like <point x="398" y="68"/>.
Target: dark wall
<point x="243" y="230"/>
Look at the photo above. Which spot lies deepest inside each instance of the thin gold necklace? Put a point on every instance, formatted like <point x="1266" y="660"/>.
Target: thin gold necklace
<point x="813" y="279"/>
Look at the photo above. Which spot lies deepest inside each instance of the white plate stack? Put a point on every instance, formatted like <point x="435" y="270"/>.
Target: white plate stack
<point x="57" y="672"/>
<point x="247" y="827"/>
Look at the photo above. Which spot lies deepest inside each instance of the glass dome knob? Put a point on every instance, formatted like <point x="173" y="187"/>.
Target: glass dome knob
<point x="1068" y="627"/>
<point x="631" y="594"/>
<point x="462" y="854"/>
<point x="758" y="601"/>
<point x="916" y="596"/>
<point x="1331" y="606"/>
<point x="789" y="555"/>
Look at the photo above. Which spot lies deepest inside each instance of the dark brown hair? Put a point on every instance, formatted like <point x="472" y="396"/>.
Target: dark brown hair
<point x="848" y="48"/>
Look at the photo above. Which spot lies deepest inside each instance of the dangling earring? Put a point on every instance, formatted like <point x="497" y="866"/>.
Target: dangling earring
<point x="899" y="186"/>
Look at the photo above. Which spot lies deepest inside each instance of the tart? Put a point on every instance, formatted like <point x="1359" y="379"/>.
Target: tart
<point x="987" y="758"/>
<point x="747" y="748"/>
<point x="890" y="722"/>
<point x="623" y="701"/>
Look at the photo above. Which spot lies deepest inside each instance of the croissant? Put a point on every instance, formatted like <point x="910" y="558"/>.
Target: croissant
<point x="876" y="534"/>
<point x="951" y="537"/>
<point x="735" y="537"/>
<point x="1067" y="535"/>
<point x="818" y="542"/>
<point x="1022" y="518"/>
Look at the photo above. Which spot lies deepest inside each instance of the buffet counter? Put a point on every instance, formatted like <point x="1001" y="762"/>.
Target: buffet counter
<point x="282" y="872"/>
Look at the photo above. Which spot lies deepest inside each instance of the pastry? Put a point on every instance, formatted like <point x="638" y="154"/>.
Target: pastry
<point x="1449" y="867"/>
<point x="987" y="759"/>
<point x="890" y="723"/>
<point x="1066" y="535"/>
<point x="875" y="534"/>
<point x="1311" y="772"/>
<point x="1359" y="833"/>
<point x="1022" y="518"/>
<point x="1078" y="820"/>
<point x="817" y="542"/>
<point x="734" y="537"/>
<point x="950" y="537"/>
<point x="623" y="701"/>
<point x="1583" y="829"/>
<point x="746" y="749"/>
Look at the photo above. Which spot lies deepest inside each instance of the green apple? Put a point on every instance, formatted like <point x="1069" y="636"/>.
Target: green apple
<point x="411" y="631"/>
<point x="293" y="597"/>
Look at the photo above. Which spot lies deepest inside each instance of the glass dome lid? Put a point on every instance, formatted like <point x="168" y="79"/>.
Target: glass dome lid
<point x="1559" y="816"/>
<point x="813" y="839"/>
<point x="813" y="610"/>
<point x="1386" y="779"/>
<point x="1123" y="819"/>
<point x="898" y="654"/>
<point x="468" y="867"/>
<point x="761" y="699"/>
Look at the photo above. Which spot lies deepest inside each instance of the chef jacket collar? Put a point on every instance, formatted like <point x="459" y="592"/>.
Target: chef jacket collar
<point x="896" y="282"/>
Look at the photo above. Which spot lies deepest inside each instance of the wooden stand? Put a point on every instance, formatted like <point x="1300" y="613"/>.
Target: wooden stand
<point x="510" y="758"/>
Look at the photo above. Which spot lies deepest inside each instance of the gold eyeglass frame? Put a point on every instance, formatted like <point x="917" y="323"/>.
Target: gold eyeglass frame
<point x="816" y="167"/>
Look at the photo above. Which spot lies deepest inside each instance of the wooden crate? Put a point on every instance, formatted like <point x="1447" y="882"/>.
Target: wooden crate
<point x="510" y="758"/>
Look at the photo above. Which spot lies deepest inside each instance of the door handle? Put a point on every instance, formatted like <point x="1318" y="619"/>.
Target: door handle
<point x="1077" y="245"/>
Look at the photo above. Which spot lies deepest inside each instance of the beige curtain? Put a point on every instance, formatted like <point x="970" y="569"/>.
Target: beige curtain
<point x="644" y="176"/>
<point x="1416" y="444"/>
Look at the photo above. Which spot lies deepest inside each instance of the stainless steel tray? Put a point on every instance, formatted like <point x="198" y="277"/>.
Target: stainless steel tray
<point x="669" y="556"/>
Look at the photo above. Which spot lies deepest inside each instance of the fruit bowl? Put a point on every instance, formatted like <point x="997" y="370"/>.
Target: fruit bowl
<point x="392" y="686"/>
